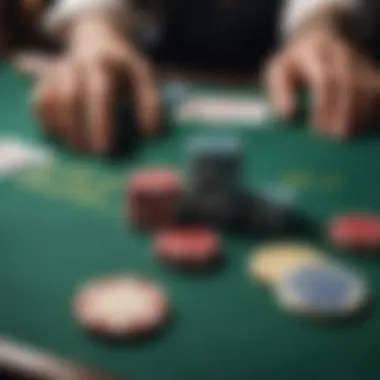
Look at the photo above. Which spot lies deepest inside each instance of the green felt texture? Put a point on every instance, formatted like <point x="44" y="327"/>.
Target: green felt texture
<point x="63" y="225"/>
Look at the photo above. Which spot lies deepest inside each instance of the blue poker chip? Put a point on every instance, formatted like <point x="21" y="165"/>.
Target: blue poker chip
<point x="322" y="290"/>
<point x="215" y="145"/>
<point x="278" y="194"/>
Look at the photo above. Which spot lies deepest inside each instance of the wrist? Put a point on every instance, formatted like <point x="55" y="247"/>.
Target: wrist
<point x="93" y="27"/>
<point x="63" y="14"/>
<point x="329" y="20"/>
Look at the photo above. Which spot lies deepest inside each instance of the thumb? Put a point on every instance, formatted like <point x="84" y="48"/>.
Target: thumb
<point x="32" y="64"/>
<point x="280" y="83"/>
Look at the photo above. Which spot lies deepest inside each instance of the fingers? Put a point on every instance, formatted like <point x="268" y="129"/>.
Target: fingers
<point x="45" y="104"/>
<point x="346" y="94"/>
<point x="342" y="85"/>
<point x="320" y="79"/>
<point x="369" y="93"/>
<point x="56" y="102"/>
<point x="139" y="75"/>
<point x="69" y="119"/>
<point x="100" y="95"/>
<point x="280" y="82"/>
<point x="362" y="103"/>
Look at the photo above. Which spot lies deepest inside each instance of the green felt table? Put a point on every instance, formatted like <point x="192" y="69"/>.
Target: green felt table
<point x="63" y="224"/>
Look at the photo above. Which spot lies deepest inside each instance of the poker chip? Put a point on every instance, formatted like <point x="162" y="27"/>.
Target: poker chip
<point x="264" y="216"/>
<point x="187" y="246"/>
<point x="153" y="196"/>
<point x="268" y="263"/>
<point x="321" y="290"/>
<point x="156" y="180"/>
<point x="120" y="307"/>
<point x="355" y="231"/>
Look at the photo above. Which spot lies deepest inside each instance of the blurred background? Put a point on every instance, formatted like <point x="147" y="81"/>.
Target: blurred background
<point x="18" y="25"/>
<point x="20" y="28"/>
<point x="189" y="37"/>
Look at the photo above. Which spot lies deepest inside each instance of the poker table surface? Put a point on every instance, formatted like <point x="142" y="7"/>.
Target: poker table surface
<point x="63" y="224"/>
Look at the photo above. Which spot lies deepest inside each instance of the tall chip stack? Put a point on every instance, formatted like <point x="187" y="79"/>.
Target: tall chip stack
<point x="214" y="180"/>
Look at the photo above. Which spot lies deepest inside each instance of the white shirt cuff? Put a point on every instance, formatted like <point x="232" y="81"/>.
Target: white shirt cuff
<point x="60" y="15"/>
<point x="297" y="11"/>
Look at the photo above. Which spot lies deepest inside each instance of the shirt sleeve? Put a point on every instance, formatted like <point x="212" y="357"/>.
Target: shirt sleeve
<point x="296" y="11"/>
<point x="62" y="12"/>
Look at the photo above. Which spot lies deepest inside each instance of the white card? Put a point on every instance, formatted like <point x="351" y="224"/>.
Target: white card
<point x="221" y="110"/>
<point x="16" y="155"/>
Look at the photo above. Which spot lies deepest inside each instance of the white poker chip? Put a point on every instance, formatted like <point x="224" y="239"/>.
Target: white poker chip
<point x="322" y="290"/>
<point x="120" y="307"/>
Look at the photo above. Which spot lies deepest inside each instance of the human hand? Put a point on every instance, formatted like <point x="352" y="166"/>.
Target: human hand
<point x="75" y="93"/>
<point x="343" y="84"/>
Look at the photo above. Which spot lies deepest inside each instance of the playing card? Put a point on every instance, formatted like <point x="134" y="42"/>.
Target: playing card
<point x="252" y="111"/>
<point x="17" y="155"/>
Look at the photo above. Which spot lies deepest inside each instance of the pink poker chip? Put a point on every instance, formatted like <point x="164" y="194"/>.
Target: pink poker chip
<point x="155" y="181"/>
<point x="187" y="246"/>
<point x="356" y="231"/>
<point x="120" y="307"/>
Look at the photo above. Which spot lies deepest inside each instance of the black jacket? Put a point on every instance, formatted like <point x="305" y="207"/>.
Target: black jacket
<point x="369" y="27"/>
<point x="213" y="33"/>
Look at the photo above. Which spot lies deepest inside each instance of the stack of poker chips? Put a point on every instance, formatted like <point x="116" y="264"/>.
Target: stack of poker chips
<point x="212" y="196"/>
<point x="216" y="195"/>
<point x="152" y="198"/>
<point x="214" y="184"/>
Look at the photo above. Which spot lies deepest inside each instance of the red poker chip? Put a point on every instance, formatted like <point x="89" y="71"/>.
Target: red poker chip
<point x="356" y="231"/>
<point x="120" y="307"/>
<point x="155" y="181"/>
<point x="153" y="197"/>
<point x="187" y="246"/>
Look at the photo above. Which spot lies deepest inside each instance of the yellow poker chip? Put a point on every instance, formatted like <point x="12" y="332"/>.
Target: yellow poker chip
<point x="268" y="263"/>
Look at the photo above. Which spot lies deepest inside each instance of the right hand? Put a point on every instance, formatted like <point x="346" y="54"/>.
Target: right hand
<point x="344" y="84"/>
<point x="75" y="94"/>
